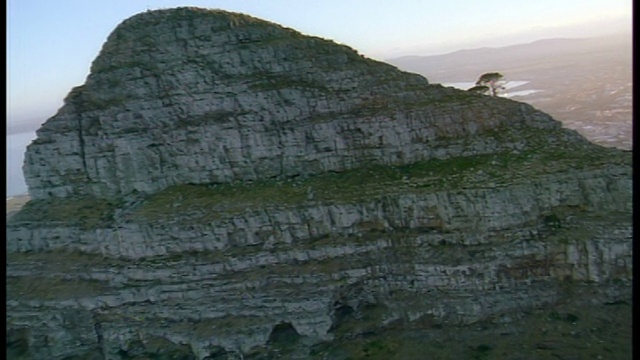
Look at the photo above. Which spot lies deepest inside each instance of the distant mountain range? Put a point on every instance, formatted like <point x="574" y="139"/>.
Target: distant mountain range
<point x="516" y="60"/>
<point x="586" y="83"/>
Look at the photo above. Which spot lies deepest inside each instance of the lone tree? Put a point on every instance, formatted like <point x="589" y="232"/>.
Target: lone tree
<point x="490" y="83"/>
<point x="481" y="89"/>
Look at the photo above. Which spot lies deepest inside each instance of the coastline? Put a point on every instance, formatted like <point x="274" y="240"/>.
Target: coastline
<point x="15" y="203"/>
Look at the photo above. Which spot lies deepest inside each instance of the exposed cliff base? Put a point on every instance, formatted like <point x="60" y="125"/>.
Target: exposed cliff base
<point x="572" y="329"/>
<point x="374" y="262"/>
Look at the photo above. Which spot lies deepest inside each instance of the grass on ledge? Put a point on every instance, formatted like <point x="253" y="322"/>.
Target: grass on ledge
<point x="347" y="186"/>
<point x="53" y="287"/>
<point x="202" y="203"/>
<point x="210" y="202"/>
<point x="85" y="212"/>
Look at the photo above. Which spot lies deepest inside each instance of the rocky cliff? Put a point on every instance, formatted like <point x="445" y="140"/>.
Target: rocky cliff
<point x="202" y="97"/>
<point x="223" y="187"/>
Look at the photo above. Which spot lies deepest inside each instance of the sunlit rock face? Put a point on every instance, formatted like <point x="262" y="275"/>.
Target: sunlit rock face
<point x="199" y="96"/>
<point x="225" y="188"/>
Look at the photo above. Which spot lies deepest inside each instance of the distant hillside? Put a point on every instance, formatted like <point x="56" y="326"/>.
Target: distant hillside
<point x="585" y="83"/>
<point x="21" y="127"/>
<point x="521" y="59"/>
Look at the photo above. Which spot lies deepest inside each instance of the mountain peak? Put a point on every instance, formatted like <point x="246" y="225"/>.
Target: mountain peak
<point x="195" y="96"/>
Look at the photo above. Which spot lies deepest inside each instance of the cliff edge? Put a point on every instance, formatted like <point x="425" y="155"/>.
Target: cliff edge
<point x="194" y="96"/>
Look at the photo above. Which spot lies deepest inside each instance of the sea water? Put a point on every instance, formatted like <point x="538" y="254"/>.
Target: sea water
<point x="507" y="92"/>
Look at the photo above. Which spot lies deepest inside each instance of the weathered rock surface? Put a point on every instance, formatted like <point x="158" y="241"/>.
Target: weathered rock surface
<point x="196" y="96"/>
<point x="223" y="188"/>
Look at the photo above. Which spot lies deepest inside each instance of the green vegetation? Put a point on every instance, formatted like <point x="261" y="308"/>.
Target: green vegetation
<point x="490" y="83"/>
<point x="207" y="328"/>
<point x="84" y="212"/>
<point x="59" y="283"/>
<point x="210" y="202"/>
<point x="68" y="261"/>
<point x="481" y="89"/>
<point x="203" y="203"/>
<point x="232" y="19"/>
<point x="54" y="287"/>
<point x="571" y="330"/>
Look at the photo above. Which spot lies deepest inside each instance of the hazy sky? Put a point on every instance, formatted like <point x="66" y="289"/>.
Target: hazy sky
<point x="51" y="43"/>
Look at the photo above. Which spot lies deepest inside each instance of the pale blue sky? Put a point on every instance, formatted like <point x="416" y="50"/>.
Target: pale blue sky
<point x="51" y="43"/>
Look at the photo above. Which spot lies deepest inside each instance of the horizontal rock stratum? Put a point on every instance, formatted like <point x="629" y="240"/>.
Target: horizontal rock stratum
<point x="222" y="187"/>
<point x="189" y="96"/>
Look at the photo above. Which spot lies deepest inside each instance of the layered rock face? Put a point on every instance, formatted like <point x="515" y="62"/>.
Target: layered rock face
<point x="225" y="188"/>
<point x="196" y="96"/>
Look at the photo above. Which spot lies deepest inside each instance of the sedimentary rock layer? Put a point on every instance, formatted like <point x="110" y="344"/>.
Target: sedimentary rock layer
<point x="198" y="96"/>
<point x="223" y="187"/>
<point x="207" y="281"/>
